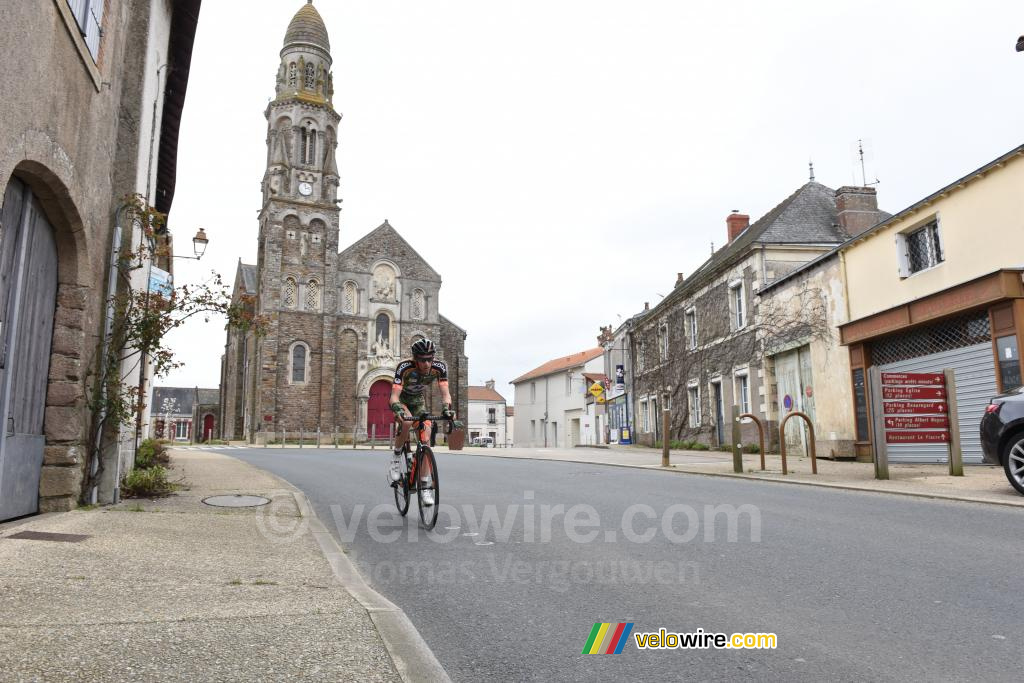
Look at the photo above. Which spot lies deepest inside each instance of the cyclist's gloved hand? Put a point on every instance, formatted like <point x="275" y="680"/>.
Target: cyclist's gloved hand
<point x="398" y="409"/>
<point x="448" y="412"/>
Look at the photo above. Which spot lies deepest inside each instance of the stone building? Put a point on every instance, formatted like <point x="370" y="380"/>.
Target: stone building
<point x="90" y="98"/>
<point x="337" y="323"/>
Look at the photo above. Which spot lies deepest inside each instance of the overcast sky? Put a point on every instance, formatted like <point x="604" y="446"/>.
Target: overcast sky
<point x="559" y="161"/>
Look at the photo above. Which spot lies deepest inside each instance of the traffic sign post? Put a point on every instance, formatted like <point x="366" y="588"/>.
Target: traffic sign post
<point x="916" y="408"/>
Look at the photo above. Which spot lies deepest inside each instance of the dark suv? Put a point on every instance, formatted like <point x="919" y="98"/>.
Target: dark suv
<point x="1002" y="435"/>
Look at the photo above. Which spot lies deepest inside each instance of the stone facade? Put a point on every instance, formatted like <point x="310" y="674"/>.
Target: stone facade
<point x="337" y="323"/>
<point x="76" y="99"/>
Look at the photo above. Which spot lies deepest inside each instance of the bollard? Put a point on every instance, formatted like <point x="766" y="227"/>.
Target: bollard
<point x="318" y="436"/>
<point x="737" y="457"/>
<point x="373" y="436"/>
<point x="810" y="438"/>
<point x="664" y="432"/>
<point x="760" y="433"/>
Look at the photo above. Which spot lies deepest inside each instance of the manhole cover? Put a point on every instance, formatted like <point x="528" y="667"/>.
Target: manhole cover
<point x="236" y="501"/>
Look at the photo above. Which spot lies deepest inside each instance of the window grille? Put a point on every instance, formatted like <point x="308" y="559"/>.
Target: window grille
<point x="923" y="248"/>
<point x="313" y="296"/>
<point x="949" y="334"/>
<point x="417" y="304"/>
<point x="293" y="75"/>
<point x="349" y="298"/>
<point x="310" y="76"/>
<point x="289" y="293"/>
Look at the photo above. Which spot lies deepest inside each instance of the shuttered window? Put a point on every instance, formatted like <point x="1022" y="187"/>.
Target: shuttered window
<point x="89" y="17"/>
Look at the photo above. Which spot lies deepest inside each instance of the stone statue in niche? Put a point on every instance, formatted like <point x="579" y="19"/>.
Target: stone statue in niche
<point x="381" y="353"/>
<point x="383" y="284"/>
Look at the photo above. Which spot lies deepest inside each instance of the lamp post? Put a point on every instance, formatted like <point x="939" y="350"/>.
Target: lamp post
<point x="199" y="243"/>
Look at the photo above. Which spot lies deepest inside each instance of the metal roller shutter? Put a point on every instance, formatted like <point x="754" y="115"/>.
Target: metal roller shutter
<point x="975" y="385"/>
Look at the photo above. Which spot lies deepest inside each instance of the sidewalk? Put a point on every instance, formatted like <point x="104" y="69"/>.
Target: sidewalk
<point x="174" y="589"/>
<point x="980" y="483"/>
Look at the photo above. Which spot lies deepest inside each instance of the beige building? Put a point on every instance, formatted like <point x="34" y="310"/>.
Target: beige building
<point x="939" y="285"/>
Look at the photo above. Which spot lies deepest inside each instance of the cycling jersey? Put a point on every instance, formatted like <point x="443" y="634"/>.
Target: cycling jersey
<point x="413" y="382"/>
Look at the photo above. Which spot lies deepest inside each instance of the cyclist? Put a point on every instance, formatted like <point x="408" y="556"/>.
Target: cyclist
<point x="412" y="377"/>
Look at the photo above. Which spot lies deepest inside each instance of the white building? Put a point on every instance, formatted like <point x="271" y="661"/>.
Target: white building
<point x="550" y="401"/>
<point x="486" y="414"/>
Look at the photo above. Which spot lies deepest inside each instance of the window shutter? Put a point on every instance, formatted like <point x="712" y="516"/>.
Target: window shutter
<point x="902" y="255"/>
<point x="93" y="24"/>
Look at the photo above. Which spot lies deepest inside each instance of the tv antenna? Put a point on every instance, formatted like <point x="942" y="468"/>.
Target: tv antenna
<point x="863" y="175"/>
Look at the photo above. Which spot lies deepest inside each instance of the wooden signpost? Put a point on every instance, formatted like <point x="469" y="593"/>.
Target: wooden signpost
<point x="915" y="409"/>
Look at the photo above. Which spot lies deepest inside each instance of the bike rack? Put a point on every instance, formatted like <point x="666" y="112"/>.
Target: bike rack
<point x="782" y="440"/>
<point x="760" y="433"/>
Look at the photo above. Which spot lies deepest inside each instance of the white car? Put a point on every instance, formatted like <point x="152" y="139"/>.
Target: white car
<point x="483" y="442"/>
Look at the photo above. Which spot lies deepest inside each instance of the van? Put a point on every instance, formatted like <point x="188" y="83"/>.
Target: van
<point x="483" y="442"/>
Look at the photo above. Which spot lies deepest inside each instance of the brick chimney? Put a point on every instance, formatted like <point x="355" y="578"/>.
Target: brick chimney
<point x="647" y="305"/>
<point x="679" y="279"/>
<point x="489" y="384"/>
<point x="736" y="223"/>
<point x="857" y="209"/>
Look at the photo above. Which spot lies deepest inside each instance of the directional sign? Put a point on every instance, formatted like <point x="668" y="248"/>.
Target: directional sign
<point x="920" y="379"/>
<point x="917" y="422"/>
<point x="913" y="392"/>
<point x="917" y="437"/>
<point x="914" y="407"/>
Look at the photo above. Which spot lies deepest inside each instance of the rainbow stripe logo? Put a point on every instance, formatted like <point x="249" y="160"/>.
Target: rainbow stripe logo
<point x="607" y="639"/>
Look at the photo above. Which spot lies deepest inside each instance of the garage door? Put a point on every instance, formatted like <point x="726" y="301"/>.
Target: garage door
<point x="975" y="385"/>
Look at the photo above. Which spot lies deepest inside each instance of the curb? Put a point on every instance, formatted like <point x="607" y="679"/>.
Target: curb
<point x="413" y="659"/>
<point x="744" y="477"/>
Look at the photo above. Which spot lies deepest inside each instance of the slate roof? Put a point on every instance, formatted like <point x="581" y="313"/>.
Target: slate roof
<point x="808" y="216"/>
<point x="561" y="364"/>
<point x="184" y="398"/>
<point x="248" y="277"/>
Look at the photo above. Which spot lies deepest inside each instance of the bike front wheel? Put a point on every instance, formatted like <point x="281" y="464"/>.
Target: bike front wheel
<point x="401" y="488"/>
<point x="426" y="473"/>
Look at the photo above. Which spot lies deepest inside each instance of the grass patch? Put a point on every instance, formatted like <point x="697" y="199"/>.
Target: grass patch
<point x="235" y="582"/>
<point x="147" y="483"/>
<point x="261" y="582"/>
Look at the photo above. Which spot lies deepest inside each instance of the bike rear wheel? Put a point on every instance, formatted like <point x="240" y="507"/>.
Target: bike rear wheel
<point x="426" y="475"/>
<point x="401" y="488"/>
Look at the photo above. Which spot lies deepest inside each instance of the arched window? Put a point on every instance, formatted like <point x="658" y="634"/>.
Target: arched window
<point x="313" y="296"/>
<point x="348" y="297"/>
<point x="310" y="76"/>
<point x="293" y="75"/>
<point x="383" y="329"/>
<point x="308" y="149"/>
<point x="288" y="296"/>
<point x="298" y="362"/>
<point x="418" y="305"/>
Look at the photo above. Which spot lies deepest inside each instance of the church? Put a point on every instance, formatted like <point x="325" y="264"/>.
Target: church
<point x="337" y="323"/>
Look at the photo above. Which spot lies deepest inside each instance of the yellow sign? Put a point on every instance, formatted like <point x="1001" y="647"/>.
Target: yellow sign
<point x="596" y="389"/>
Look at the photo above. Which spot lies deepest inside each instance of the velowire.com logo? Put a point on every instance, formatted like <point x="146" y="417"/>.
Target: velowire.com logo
<point x="607" y="639"/>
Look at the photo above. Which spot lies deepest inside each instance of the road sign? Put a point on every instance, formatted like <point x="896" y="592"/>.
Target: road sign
<point x="931" y="379"/>
<point x="913" y="392"/>
<point x="914" y="407"/>
<point x="917" y="437"/>
<point x="917" y="422"/>
<point x="596" y="389"/>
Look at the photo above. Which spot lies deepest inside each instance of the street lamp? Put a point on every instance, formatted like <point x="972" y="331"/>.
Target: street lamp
<point x="199" y="243"/>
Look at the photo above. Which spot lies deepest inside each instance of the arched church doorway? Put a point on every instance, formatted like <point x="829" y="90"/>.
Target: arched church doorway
<point x="378" y="410"/>
<point x="207" y="427"/>
<point x="28" y="296"/>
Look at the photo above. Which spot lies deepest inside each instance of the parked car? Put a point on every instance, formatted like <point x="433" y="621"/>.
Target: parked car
<point x="1002" y="435"/>
<point x="483" y="442"/>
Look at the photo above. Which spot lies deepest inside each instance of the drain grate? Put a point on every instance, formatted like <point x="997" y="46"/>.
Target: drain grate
<point x="47" y="536"/>
<point x="236" y="501"/>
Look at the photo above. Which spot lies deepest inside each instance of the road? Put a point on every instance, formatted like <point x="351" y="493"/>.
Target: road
<point x="856" y="586"/>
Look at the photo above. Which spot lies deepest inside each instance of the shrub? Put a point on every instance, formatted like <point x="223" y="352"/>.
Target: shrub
<point x="147" y="483"/>
<point x="150" y="454"/>
<point x="697" y="446"/>
<point x="751" y="448"/>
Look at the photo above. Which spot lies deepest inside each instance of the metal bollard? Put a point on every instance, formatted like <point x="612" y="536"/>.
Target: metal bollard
<point x="373" y="436"/>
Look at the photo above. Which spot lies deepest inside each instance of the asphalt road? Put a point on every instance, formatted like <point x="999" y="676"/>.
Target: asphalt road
<point x="856" y="586"/>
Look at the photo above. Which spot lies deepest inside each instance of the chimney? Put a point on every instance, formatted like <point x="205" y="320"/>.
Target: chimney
<point x="679" y="279"/>
<point x="489" y="384"/>
<point x="647" y="305"/>
<point x="857" y="209"/>
<point x="736" y="223"/>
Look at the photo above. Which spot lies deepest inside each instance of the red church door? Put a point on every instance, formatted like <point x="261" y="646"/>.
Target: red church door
<point x="207" y="427"/>
<point x="378" y="410"/>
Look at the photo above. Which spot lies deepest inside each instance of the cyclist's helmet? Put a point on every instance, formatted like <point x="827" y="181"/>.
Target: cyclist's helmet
<point x="423" y="347"/>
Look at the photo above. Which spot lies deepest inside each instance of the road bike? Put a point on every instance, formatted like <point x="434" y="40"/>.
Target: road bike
<point x="418" y="471"/>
